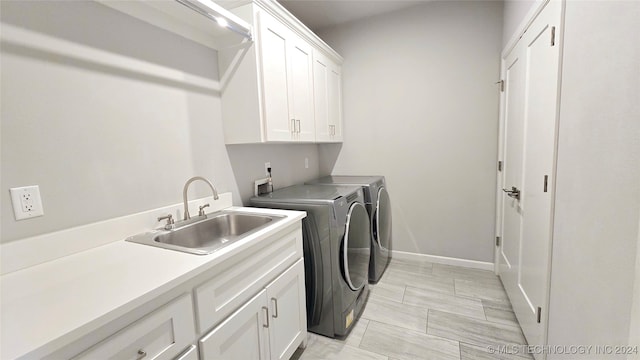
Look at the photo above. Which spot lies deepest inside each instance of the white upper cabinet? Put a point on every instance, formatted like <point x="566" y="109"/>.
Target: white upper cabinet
<point x="287" y="82"/>
<point x="268" y="87"/>
<point x="275" y="50"/>
<point x="301" y="89"/>
<point x="327" y="86"/>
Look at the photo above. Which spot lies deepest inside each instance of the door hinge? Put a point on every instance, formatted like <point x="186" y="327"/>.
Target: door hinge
<point x="500" y="165"/>
<point x="546" y="179"/>
<point x="539" y="314"/>
<point x="501" y="82"/>
<point x="553" y="36"/>
<point x="497" y="240"/>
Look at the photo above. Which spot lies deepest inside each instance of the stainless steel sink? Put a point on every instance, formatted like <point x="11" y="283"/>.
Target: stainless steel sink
<point x="205" y="236"/>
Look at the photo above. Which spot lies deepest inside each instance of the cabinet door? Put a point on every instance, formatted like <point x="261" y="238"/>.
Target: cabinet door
<point x="301" y="85"/>
<point x="321" y="71"/>
<point x="273" y="40"/>
<point x="244" y="335"/>
<point x="327" y="91"/>
<point x="287" y="313"/>
<point x="335" y="102"/>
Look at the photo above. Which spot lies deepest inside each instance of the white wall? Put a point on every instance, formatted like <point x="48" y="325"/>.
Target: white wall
<point x="421" y="108"/>
<point x="109" y="124"/>
<point x="514" y="12"/>
<point x="598" y="183"/>
<point x="287" y="165"/>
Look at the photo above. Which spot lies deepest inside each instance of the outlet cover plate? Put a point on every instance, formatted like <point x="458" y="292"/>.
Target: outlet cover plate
<point x="26" y="202"/>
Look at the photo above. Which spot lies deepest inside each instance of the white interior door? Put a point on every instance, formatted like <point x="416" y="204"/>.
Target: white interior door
<point x="542" y="51"/>
<point x="514" y="140"/>
<point x="530" y="137"/>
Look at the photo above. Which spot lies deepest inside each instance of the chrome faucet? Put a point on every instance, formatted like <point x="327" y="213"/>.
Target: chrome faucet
<point x="184" y="193"/>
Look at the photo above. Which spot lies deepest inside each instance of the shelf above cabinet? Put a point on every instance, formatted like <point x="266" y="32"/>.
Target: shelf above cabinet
<point x="202" y="21"/>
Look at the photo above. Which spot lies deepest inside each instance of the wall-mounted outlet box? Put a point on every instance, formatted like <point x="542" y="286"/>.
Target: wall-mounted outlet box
<point x="261" y="187"/>
<point x="26" y="202"/>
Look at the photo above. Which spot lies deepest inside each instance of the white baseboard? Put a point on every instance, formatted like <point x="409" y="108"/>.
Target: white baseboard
<point x="473" y="264"/>
<point x="27" y="252"/>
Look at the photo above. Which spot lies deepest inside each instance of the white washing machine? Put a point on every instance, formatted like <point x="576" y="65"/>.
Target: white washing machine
<point x="378" y="205"/>
<point x="336" y="240"/>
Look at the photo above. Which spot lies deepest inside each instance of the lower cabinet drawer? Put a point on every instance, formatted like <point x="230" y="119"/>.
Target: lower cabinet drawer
<point x="190" y="354"/>
<point x="241" y="277"/>
<point x="163" y="334"/>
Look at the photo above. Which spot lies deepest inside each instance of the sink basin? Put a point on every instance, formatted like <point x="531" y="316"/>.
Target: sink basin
<point x="205" y="236"/>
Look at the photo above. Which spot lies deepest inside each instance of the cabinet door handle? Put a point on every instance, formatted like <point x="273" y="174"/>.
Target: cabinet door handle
<point x="141" y="354"/>
<point x="298" y="126"/>
<point x="266" y="310"/>
<point x="293" y="125"/>
<point x="275" y="308"/>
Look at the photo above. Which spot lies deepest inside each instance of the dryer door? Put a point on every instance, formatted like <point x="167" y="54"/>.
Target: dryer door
<point x="382" y="220"/>
<point x="356" y="247"/>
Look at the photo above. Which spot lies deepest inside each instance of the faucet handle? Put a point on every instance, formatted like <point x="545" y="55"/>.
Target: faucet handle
<point x="201" y="209"/>
<point x="169" y="219"/>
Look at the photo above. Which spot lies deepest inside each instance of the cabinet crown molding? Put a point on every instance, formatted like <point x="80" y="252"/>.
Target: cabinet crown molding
<point x="279" y="12"/>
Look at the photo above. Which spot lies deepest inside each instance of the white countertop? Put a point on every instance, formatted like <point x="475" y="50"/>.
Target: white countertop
<point x="55" y="303"/>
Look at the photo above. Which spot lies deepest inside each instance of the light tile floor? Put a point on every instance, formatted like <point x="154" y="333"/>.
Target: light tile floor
<point x="421" y="310"/>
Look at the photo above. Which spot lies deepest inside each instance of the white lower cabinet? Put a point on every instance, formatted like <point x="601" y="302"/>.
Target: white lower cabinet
<point x="248" y="306"/>
<point x="241" y="277"/>
<point x="269" y="326"/>
<point x="287" y="311"/>
<point x="163" y="334"/>
<point x="243" y="335"/>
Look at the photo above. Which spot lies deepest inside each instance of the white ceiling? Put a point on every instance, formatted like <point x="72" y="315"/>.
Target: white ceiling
<point x="318" y="14"/>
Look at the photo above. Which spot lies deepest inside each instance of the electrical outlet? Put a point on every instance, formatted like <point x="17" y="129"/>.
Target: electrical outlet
<point x="26" y="202"/>
<point x="267" y="166"/>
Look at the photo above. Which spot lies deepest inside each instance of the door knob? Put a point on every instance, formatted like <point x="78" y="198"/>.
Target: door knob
<point x="514" y="192"/>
